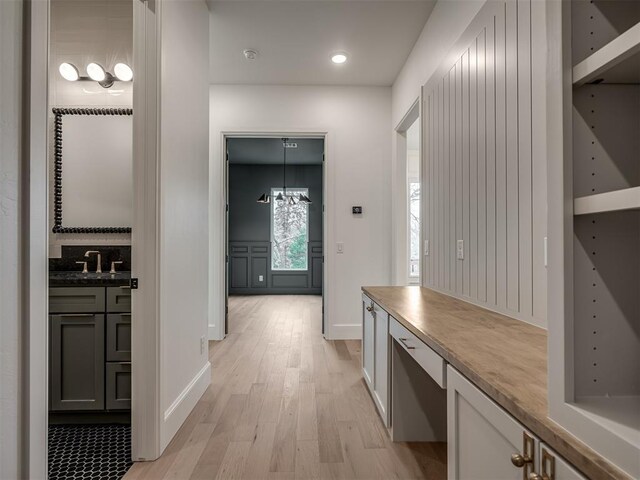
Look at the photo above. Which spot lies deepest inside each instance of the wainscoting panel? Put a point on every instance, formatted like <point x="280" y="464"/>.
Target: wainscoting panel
<point x="239" y="271"/>
<point x="479" y="168"/>
<point x="248" y="261"/>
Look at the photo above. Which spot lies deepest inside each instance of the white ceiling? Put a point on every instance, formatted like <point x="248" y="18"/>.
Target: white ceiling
<point x="296" y="38"/>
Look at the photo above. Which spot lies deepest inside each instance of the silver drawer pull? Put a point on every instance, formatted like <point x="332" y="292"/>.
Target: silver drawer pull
<point x="406" y="345"/>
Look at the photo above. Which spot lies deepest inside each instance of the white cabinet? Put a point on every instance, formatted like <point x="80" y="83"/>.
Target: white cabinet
<point x="381" y="369"/>
<point x="368" y="340"/>
<point x="484" y="442"/>
<point x="554" y="467"/>
<point x="375" y="354"/>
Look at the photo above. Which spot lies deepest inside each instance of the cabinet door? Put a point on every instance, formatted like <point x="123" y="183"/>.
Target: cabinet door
<point x="118" y="386"/>
<point x="118" y="337"/>
<point x="381" y="358"/>
<point x="482" y="438"/>
<point x="368" y="341"/>
<point x="554" y="467"/>
<point x="76" y="370"/>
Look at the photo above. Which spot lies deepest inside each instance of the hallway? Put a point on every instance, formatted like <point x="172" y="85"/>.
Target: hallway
<point x="285" y="403"/>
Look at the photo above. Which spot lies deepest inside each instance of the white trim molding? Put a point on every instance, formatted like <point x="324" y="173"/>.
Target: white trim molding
<point x="179" y="410"/>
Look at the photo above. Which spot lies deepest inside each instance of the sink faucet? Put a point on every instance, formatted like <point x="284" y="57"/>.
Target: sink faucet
<point x="99" y="266"/>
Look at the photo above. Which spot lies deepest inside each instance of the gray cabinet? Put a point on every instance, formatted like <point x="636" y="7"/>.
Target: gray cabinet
<point x="118" y="386"/>
<point x="77" y="362"/>
<point x="76" y="299"/>
<point x="118" y="299"/>
<point x="90" y="348"/>
<point x="118" y="337"/>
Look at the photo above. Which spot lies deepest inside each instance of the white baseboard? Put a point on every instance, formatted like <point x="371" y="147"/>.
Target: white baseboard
<point x="214" y="333"/>
<point x="181" y="407"/>
<point x="345" y="331"/>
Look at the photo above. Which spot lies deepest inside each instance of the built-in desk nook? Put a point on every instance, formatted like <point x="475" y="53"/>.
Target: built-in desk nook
<point x="441" y="369"/>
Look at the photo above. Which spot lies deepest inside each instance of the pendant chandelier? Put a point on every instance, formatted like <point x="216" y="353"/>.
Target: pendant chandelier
<point x="283" y="196"/>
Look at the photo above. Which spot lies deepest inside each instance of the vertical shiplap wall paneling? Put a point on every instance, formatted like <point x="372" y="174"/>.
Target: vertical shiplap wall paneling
<point x="525" y="159"/>
<point x="466" y="184"/>
<point x="479" y="165"/>
<point x="490" y="141"/>
<point x="512" y="159"/>
<point x="458" y="138"/>
<point x="500" y="53"/>
<point x="473" y="171"/>
<point x="481" y="140"/>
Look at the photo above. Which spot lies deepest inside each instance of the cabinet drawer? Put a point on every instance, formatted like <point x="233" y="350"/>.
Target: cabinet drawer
<point x="118" y="386"/>
<point x="119" y="337"/>
<point x="119" y="299"/>
<point x="430" y="361"/>
<point x="76" y="300"/>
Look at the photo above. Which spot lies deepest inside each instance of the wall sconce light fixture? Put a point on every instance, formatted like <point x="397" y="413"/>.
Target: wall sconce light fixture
<point x="96" y="73"/>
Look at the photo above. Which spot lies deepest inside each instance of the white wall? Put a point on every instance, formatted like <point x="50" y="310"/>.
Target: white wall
<point x="356" y="120"/>
<point x="81" y="32"/>
<point x="10" y="250"/>
<point x="184" y="207"/>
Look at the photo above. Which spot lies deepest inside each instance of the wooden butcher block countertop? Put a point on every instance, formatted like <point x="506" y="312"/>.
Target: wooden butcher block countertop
<point x="504" y="357"/>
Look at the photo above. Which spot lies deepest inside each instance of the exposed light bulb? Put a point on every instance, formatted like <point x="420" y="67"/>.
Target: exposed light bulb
<point x="96" y="72"/>
<point x="123" y="72"/>
<point x="69" y="72"/>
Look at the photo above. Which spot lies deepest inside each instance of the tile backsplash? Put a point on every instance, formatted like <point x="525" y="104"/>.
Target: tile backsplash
<point x="75" y="253"/>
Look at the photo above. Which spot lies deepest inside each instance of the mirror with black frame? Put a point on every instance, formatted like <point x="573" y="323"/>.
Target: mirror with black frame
<point x="93" y="188"/>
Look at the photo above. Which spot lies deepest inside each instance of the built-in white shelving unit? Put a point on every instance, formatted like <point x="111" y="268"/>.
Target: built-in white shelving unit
<point x="594" y="268"/>
<point x="625" y="199"/>
<point x="618" y="61"/>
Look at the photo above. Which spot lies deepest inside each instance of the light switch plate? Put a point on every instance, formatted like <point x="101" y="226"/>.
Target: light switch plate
<point x="340" y="247"/>
<point x="426" y="247"/>
<point x="460" y="249"/>
<point x="261" y="278"/>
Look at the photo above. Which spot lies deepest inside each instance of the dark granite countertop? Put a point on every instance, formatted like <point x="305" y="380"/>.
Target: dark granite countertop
<point x="91" y="279"/>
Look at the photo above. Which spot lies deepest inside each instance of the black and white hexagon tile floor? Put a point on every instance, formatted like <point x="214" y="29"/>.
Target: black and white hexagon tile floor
<point x="89" y="451"/>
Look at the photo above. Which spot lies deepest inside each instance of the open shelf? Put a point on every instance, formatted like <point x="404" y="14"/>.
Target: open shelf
<point x="625" y="199"/>
<point x="620" y="415"/>
<point x="616" y="62"/>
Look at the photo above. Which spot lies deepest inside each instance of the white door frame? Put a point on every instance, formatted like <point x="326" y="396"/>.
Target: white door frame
<point x="400" y="206"/>
<point x="146" y="416"/>
<point x="327" y="189"/>
<point x="35" y="262"/>
<point x="145" y="336"/>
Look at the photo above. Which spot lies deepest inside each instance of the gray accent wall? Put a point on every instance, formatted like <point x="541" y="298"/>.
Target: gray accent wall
<point x="250" y="230"/>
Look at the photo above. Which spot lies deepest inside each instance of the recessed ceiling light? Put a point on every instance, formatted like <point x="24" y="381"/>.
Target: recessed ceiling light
<point x="339" y="58"/>
<point x="250" y="54"/>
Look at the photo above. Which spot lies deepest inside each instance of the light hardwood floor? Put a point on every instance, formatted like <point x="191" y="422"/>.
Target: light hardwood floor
<point x="286" y="404"/>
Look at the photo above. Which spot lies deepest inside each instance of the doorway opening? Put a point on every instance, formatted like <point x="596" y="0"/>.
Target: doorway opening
<point x="408" y="234"/>
<point x="274" y="225"/>
<point x="90" y="182"/>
